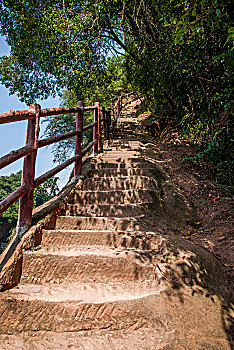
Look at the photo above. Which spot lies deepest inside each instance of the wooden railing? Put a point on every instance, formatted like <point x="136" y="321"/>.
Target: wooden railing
<point x="119" y="104"/>
<point x="24" y="193"/>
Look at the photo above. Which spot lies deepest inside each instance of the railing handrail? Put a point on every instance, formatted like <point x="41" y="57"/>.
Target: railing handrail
<point x="13" y="116"/>
<point x="119" y="104"/>
<point x="24" y="193"/>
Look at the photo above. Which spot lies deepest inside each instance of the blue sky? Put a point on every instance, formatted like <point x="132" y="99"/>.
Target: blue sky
<point x="12" y="135"/>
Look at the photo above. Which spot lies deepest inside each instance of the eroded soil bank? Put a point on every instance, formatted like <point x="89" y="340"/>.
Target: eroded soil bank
<point x="213" y="228"/>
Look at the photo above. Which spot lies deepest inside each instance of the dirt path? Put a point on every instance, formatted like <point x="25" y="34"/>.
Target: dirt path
<point x="111" y="270"/>
<point x="213" y="228"/>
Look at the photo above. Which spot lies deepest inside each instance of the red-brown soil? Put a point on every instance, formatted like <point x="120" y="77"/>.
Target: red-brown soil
<point x="213" y="229"/>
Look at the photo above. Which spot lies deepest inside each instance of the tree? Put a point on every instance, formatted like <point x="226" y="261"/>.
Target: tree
<point x="185" y="54"/>
<point x="107" y="88"/>
<point x="178" y="55"/>
<point x="56" y="44"/>
<point x="10" y="183"/>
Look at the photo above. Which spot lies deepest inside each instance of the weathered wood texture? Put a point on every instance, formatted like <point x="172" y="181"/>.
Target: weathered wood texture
<point x="38" y="181"/>
<point x="79" y="138"/>
<point x="12" y="198"/>
<point x="14" y="155"/>
<point x="24" y="193"/>
<point x="95" y="129"/>
<point x="14" y="116"/>
<point x="26" y="201"/>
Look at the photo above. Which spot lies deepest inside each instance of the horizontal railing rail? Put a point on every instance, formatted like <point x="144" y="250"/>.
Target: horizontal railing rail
<point x="24" y="193"/>
<point x="13" y="116"/>
<point x="119" y="104"/>
<point x="14" y="155"/>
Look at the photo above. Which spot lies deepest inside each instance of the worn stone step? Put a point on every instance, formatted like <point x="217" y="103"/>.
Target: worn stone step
<point x="99" y="223"/>
<point x="110" y="210"/>
<point x="125" y="143"/>
<point x="133" y="338"/>
<point x="117" y="164"/>
<point x="94" y="264"/>
<point x="120" y="183"/>
<point x="61" y="239"/>
<point x="123" y="156"/>
<point x="120" y="153"/>
<point x="125" y="136"/>
<point x="121" y="148"/>
<point x="106" y="173"/>
<point x="128" y="120"/>
<point x="78" y="306"/>
<point x="126" y="127"/>
<point x="111" y="197"/>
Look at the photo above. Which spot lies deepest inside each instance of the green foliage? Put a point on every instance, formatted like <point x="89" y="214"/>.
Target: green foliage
<point x="184" y="68"/>
<point x="56" y="44"/>
<point x="45" y="191"/>
<point x="109" y="85"/>
<point x="178" y="55"/>
<point x="10" y="183"/>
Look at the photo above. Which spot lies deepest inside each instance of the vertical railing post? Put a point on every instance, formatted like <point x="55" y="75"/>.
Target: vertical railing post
<point x="99" y="129"/>
<point x="108" y="117"/>
<point x="79" y="138"/>
<point x="28" y="173"/>
<point x="104" y="118"/>
<point x="95" y="128"/>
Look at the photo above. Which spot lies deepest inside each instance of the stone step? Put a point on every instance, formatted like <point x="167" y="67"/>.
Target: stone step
<point x="125" y="128"/>
<point x="99" y="223"/>
<point x="122" y="156"/>
<point x="120" y="183"/>
<point x="116" y="164"/>
<point x="124" y="136"/>
<point x="94" y="264"/>
<point x="120" y="148"/>
<point x="108" y="210"/>
<point x="75" y="307"/>
<point x="157" y="336"/>
<point x="128" y="120"/>
<point x="111" y="197"/>
<point x="106" y="173"/>
<point x="125" y="143"/>
<point x="121" y="153"/>
<point x="61" y="239"/>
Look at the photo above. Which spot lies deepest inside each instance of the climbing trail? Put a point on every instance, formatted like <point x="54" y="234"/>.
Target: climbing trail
<point x="112" y="273"/>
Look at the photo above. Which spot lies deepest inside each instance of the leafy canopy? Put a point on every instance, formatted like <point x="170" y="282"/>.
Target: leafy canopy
<point x="56" y="44"/>
<point x="177" y="54"/>
<point x="42" y="194"/>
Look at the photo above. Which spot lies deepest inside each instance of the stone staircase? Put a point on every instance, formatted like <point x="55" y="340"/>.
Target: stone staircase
<point x="97" y="280"/>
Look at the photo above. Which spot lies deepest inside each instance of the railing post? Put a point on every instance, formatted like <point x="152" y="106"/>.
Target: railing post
<point x="28" y="173"/>
<point x="108" y="122"/>
<point x="99" y="129"/>
<point x="104" y="116"/>
<point x="95" y="128"/>
<point x="79" y="138"/>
